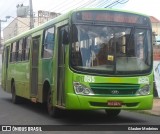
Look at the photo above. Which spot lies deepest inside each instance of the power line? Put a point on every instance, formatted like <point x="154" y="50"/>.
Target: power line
<point x="75" y="6"/>
<point x="92" y="4"/>
<point x="11" y="5"/>
<point x="115" y="3"/>
<point x="111" y="4"/>
<point x="84" y="4"/>
<point x="70" y="5"/>
<point x="123" y="2"/>
<point x="58" y="5"/>
<point x="103" y="3"/>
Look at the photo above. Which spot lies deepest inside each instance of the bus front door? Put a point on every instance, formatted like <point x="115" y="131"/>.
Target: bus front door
<point x="61" y="68"/>
<point x="34" y="67"/>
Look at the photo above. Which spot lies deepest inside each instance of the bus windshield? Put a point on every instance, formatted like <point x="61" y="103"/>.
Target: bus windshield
<point x="115" y="50"/>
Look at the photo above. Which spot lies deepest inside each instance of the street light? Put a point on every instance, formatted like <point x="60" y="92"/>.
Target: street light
<point x="7" y="17"/>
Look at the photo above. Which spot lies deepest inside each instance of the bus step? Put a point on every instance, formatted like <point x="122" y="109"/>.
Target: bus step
<point x="34" y="100"/>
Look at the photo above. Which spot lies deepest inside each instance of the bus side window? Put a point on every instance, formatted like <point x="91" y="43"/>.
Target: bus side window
<point x="20" y="50"/>
<point x="27" y="42"/>
<point x="48" y="43"/>
<point x="17" y="49"/>
<point x="23" y="49"/>
<point x="13" y="52"/>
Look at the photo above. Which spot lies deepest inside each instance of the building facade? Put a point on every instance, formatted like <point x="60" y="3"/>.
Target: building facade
<point x="19" y="24"/>
<point x="155" y="25"/>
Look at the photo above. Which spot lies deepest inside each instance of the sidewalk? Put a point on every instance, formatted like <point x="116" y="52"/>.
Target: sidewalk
<point x="156" y="107"/>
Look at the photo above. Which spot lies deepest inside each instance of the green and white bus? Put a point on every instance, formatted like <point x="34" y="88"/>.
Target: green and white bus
<point x="86" y="59"/>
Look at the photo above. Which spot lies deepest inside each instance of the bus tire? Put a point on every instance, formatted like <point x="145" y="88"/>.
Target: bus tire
<point x="112" y="112"/>
<point x="52" y="111"/>
<point x="15" y="98"/>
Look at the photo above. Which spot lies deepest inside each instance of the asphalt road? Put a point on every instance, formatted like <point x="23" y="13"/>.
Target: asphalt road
<point x="28" y="113"/>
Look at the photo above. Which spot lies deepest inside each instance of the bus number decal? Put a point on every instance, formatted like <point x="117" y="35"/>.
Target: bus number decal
<point x="89" y="78"/>
<point x="143" y="80"/>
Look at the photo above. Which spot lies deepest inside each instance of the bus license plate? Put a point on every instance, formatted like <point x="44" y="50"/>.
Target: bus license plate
<point x="114" y="103"/>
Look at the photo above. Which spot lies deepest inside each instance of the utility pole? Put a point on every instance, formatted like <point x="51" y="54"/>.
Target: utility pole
<point x="31" y="15"/>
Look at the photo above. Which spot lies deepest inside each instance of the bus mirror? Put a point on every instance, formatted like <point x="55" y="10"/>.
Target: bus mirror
<point x="65" y="37"/>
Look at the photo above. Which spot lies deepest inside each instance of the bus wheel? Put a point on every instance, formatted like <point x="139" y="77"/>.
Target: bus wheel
<point x="15" y="98"/>
<point x="112" y="112"/>
<point x="52" y="111"/>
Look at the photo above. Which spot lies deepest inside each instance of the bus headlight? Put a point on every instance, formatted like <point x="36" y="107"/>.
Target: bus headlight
<point x="81" y="89"/>
<point x="145" y="90"/>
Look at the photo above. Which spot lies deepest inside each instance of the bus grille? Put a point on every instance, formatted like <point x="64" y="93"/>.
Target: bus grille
<point x="114" y="89"/>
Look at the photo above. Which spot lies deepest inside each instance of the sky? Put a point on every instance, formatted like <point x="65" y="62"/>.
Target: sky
<point x="8" y="7"/>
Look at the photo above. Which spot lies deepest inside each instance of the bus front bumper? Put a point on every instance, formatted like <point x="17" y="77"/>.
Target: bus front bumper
<point x="81" y="102"/>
